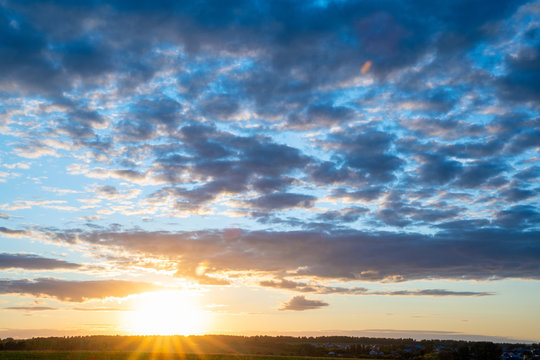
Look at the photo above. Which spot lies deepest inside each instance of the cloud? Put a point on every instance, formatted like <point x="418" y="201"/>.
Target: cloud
<point x="322" y="289"/>
<point x="29" y="308"/>
<point x="521" y="80"/>
<point x="278" y="201"/>
<point x="75" y="291"/>
<point x="436" y="293"/>
<point x="33" y="262"/>
<point x="12" y="233"/>
<point x="402" y="121"/>
<point x="460" y="250"/>
<point x="100" y="309"/>
<point x="300" y="303"/>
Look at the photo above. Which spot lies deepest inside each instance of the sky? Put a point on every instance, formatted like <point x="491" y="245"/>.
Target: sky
<point x="270" y="167"/>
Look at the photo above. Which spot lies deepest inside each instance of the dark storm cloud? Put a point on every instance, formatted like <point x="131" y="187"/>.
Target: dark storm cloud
<point x="33" y="262"/>
<point x="462" y="250"/>
<point x="75" y="291"/>
<point x="300" y="303"/>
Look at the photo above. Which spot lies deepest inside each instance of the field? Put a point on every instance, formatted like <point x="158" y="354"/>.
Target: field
<point x="116" y="355"/>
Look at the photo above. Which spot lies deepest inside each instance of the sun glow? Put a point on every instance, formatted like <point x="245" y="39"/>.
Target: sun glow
<point x="166" y="313"/>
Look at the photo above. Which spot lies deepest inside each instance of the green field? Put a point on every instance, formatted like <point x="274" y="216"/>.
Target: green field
<point x="116" y="355"/>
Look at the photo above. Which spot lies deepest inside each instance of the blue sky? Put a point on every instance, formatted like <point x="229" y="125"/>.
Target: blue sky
<point x="316" y="155"/>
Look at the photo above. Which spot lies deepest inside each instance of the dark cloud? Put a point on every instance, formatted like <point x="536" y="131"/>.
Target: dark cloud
<point x="220" y="107"/>
<point x="300" y="303"/>
<point x="435" y="169"/>
<point x="76" y="291"/>
<point x="523" y="76"/>
<point x="346" y="215"/>
<point x="477" y="173"/>
<point x="33" y="262"/>
<point x="278" y="201"/>
<point x="318" y="115"/>
<point x="462" y="250"/>
<point x="519" y="216"/>
<point x="10" y="232"/>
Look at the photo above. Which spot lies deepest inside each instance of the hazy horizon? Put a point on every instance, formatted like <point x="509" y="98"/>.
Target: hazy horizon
<point x="371" y="333"/>
<point x="171" y="167"/>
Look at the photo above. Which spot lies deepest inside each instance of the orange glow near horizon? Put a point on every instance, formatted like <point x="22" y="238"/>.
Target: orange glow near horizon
<point x="166" y="313"/>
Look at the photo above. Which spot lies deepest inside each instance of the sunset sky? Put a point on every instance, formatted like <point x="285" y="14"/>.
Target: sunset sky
<point x="319" y="167"/>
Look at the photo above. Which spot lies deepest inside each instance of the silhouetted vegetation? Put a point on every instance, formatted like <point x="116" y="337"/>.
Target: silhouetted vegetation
<point x="260" y="346"/>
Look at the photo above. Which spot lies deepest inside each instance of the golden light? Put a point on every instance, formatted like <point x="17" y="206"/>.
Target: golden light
<point x="166" y="313"/>
<point x="365" y="68"/>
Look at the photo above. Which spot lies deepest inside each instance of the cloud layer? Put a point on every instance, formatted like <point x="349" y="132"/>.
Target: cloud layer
<point x="459" y="252"/>
<point x="288" y="143"/>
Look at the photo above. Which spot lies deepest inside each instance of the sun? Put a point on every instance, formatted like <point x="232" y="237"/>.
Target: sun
<point x="166" y="313"/>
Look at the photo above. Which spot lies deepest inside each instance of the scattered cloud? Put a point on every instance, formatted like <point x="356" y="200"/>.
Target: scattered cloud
<point x="322" y="289"/>
<point x="75" y="291"/>
<point x="33" y="262"/>
<point x="300" y="303"/>
<point x="11" y="232"/>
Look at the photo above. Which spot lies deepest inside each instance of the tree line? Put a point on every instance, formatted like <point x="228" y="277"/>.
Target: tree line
<point x="324" y="346"/>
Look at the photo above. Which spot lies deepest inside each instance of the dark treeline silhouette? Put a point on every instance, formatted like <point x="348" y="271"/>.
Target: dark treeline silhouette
<point x="329" y="346"/>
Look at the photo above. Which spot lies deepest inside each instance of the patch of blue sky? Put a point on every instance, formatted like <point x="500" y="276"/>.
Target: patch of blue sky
<point x="302" y="141"/>
<point x="195" y="222"/>
<point x="484" y="56"/>
<point x="31" y="245"/>
<point x="322" y="3"/>
<point x="350" y="95"/>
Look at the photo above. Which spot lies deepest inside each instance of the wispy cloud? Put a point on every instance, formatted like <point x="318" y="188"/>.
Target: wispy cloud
<point x="75" y="291"/>
<point x="322" y="289"/>
<point x="33" y="262"/>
